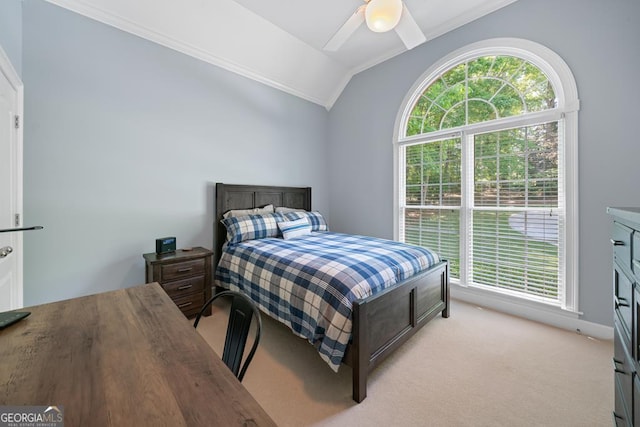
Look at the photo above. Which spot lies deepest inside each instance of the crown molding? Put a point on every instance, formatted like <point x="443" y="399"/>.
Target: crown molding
<point x="305" y="87"/>
<point x="276" y="59"/>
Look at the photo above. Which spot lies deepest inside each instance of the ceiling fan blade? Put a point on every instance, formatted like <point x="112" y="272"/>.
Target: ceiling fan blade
<point x="346" y="30"/>
<point x="408" y="30"/>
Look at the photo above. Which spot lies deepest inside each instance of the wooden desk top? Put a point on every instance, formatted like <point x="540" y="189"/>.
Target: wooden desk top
<point x="126" y="357"/>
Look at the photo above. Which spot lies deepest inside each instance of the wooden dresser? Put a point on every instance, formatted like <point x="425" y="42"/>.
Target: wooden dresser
<point x="185" y="275"/>
<point x="625" y="239"/>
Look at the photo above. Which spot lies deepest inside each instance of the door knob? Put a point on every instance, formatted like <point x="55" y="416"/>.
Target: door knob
<point x="5" y="251"/>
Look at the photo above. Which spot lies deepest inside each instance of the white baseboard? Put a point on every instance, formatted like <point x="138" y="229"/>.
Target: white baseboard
<point x="547" y="315"/>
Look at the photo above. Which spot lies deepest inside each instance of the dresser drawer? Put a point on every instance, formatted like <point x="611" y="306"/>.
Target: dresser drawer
<point x="620" y="415"/>
<point x="621" y="240"/>
<point x="625" y="237"/>
<point x="178" y="288"/>
<point x="624" y="375"/>
<point x="635" y="257"/>
<point x="636" y="394"/>
<point x="182" y="269"/>
<point x="623" y="364"/>
<point x="622" y="298"/>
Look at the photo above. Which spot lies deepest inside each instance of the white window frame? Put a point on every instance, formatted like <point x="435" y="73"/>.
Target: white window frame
<point x="562" y="79"/>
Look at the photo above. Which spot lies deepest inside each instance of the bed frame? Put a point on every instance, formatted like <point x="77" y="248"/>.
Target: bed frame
<point x="382" y="322"/>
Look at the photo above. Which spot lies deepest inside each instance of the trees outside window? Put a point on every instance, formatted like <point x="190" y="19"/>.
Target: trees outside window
<point x="484" y="155"/>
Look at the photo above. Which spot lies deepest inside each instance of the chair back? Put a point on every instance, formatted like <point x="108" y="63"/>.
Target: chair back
<point x="241" y="314"/>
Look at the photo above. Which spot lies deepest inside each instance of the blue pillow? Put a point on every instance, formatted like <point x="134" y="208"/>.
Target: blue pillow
<point x="315" y="218"/>
<point x="251" y="227"/>
<point x="295" y="228"/>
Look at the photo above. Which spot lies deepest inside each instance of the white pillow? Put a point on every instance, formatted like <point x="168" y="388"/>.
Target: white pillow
<point x="296" y="228"/>
<point x="283" y="209"/>
<point x="244" y="212"/>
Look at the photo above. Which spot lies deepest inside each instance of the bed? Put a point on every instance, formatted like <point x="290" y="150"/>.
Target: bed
<point x="378" y="324"/>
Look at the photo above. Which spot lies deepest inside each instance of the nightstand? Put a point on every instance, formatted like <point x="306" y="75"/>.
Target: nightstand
<point x="185" y="275"/>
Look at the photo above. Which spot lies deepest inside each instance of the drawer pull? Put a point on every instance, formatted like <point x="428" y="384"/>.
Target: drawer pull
<point x="185" y="270"/>
<point x="185" y="304"/>
<point x="616" y="417"/>
<point x="617" y="242"/>
<point x="620" y="302"/>
<point x="182" y="288"/>
<point x="615" y="366"/>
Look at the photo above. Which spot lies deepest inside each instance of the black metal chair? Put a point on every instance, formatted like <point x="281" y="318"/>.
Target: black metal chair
<point x="241" y="313"/>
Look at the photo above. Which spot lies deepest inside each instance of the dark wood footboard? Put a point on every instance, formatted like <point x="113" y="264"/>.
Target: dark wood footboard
<point x="384" y="321"/>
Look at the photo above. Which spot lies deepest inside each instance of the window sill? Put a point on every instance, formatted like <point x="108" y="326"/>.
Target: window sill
<point x="532" y="310"/>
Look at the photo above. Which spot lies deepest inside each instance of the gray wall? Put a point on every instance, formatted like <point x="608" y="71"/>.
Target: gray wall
<point x="123" y="142"/>
<point x="599" y="42"/>
<point x="11" y="31"/>
<point x="124" y="138"/>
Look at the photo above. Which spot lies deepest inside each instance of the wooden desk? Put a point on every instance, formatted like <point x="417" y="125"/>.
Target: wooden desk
<point x="127" y="357"/>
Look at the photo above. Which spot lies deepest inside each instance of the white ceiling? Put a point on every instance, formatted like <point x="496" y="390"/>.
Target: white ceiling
<point x="277" y="42"/>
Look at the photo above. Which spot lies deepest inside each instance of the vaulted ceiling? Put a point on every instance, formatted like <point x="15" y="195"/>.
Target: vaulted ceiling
<point x="278" y="42"/>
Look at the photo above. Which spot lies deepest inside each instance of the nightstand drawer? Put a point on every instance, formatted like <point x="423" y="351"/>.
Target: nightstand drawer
<point x="178" y="288"/>
<point x="190" y="305"/>
<point x="182" y="269"/>
<point x="185" y="275"/>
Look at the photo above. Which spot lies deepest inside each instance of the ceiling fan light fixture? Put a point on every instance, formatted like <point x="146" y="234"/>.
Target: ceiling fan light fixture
<point x="383" y="15"/>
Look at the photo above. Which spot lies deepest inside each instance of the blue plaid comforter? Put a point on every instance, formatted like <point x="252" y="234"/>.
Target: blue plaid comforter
<point x="309" y="283"/>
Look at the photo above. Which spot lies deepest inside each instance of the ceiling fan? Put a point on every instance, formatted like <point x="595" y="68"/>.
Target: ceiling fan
<point x="380" y="16"/>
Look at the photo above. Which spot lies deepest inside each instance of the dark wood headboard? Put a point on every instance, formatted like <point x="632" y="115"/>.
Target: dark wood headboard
<point x="234" y="196"/>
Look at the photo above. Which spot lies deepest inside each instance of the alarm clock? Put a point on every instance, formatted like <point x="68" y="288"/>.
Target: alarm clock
<point x="165" y="245"/>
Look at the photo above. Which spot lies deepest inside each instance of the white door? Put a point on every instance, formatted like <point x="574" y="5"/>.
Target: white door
<point x="10" y="185"/>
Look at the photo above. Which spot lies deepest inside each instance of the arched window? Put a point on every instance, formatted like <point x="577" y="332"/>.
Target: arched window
<point x="487" y="170"/>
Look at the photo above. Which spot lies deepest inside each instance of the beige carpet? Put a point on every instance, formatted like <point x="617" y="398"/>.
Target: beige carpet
<point x="476" y="368"/>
